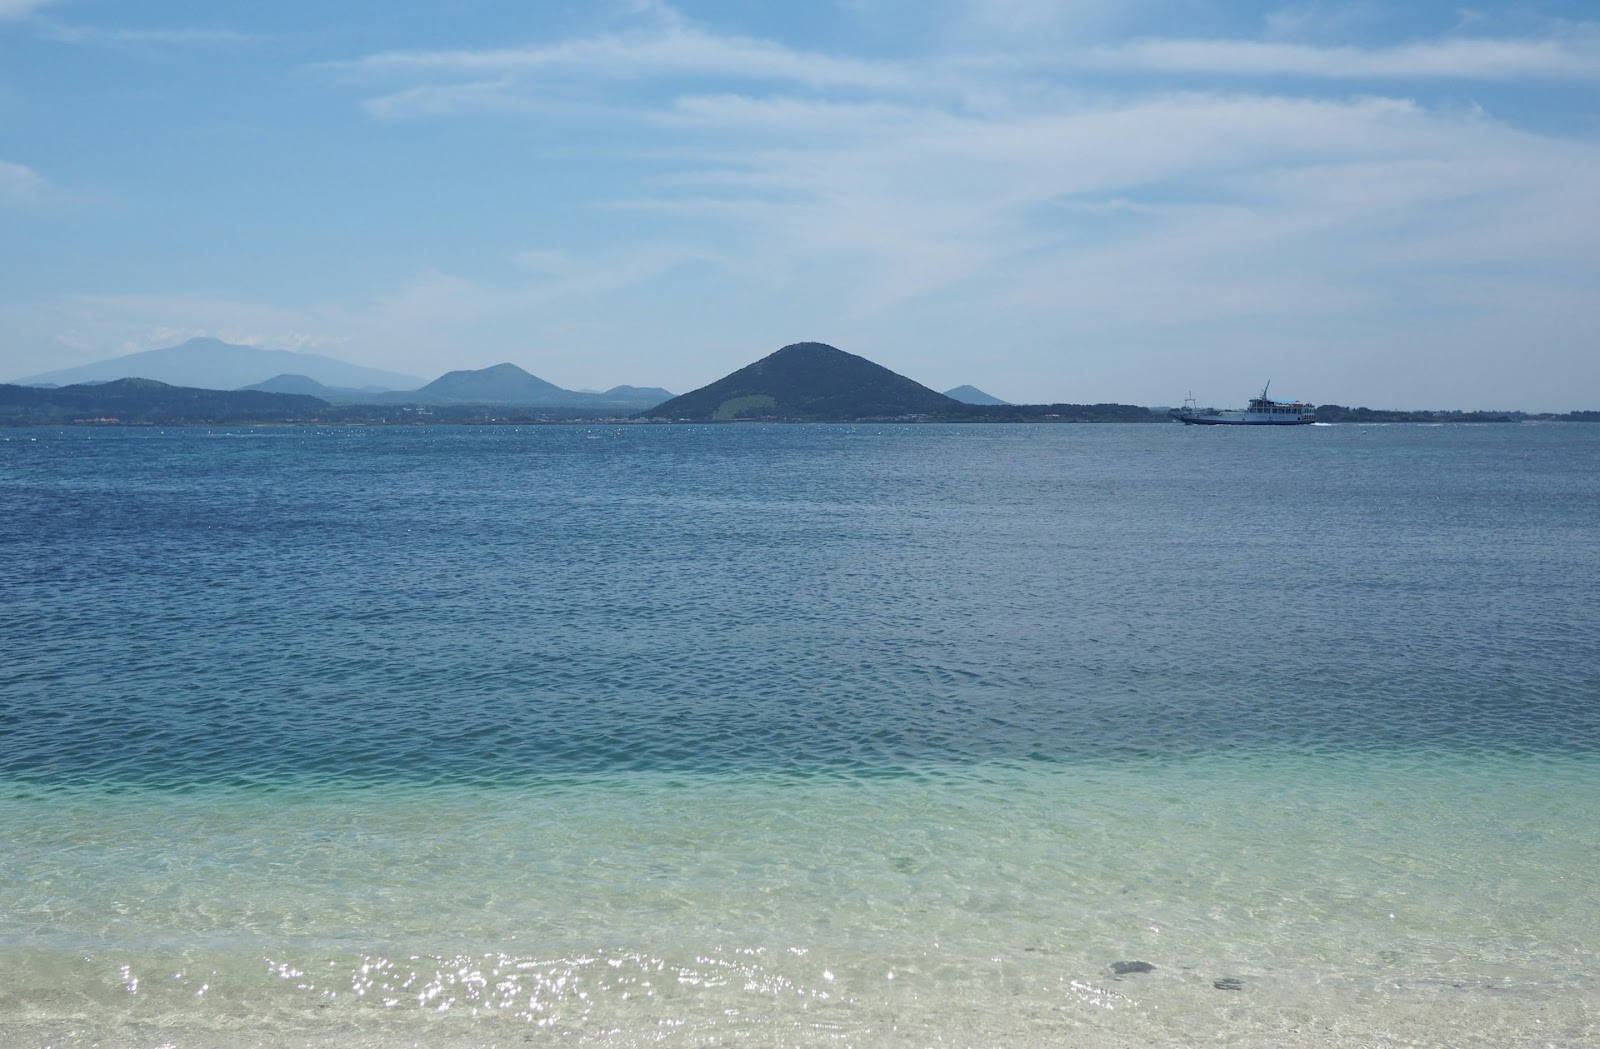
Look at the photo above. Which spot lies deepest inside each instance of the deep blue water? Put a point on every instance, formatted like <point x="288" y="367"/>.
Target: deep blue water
<point x="207" y="606"/>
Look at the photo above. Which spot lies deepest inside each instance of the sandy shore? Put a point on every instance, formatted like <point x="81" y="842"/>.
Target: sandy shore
<point x="1158" y="1011"/>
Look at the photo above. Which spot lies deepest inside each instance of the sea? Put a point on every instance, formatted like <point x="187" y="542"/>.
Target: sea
<point x="886" y="735"/>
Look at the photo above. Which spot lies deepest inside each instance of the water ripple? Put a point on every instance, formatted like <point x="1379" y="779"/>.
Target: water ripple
<point x="481" y="604"/>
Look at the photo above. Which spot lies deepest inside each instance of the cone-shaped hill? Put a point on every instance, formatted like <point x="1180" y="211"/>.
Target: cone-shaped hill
<point x="806" y="380"/>
<point x="501" y="384"/>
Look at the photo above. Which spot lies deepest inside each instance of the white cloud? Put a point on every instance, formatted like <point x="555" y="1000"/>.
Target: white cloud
<point x="440" y="100"/>
<point x="1321" y="21"/>
<point x="657" y="11"/>
<point x="1575" y="56"/>
<point x="935" y="197"/>
<point x="19" y="184"/>
<point x="676" y="51"/>
<point x="575" y="74"/>
<point x="15" y="10"/>
<point x="124" y="37"/>
<point x="640" y="69"/>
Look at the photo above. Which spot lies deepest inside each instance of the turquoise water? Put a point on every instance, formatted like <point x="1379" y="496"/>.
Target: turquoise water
<point x="800" y="735"/>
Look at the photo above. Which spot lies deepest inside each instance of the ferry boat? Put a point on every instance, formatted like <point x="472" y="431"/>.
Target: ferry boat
<point x="1262" y="411"/>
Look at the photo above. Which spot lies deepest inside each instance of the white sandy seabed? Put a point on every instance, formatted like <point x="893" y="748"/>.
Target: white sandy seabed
<point x="1403" y="900"/>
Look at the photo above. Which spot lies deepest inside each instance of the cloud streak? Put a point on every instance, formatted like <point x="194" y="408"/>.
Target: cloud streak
<point x="17" y="10"/>
<point x="121" y="37"/>
<point x="926" y="199"/>
<point x="20" y="185"/>
<point x="674" y="52"/>
<point x="1573" y="56"/>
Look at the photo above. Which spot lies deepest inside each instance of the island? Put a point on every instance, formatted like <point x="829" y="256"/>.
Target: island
<point x="801" y="382"/>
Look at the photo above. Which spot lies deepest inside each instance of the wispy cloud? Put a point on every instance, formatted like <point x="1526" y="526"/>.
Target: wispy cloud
<point x="442" y="100"/>
<point x="670" y="54"/>
<point x="123" y="37"/>
<point x="1572" y="56"/>
<point x="20" y="184"/>
<point x="923" y="199"/>
<point x="920" y="176"/>
<point x="584" y="72"/>
<point x="15" y="10"/>
<point x="678" y="50"/>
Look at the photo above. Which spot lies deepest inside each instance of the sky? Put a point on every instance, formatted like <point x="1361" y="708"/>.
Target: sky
<point x="1390" y="205"/>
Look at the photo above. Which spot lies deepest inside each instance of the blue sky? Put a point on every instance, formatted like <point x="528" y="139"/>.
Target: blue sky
<point x="1369" y="204"/>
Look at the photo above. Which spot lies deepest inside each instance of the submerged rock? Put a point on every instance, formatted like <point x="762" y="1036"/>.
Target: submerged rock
<point x="1228" y="983"/>
<point x="1123" y="968"/>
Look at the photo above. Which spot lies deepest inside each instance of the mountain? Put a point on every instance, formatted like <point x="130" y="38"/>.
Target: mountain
<point x="312" y="388"/>
<point x="150" y="402"/>
<point x="972" y="395"/>
<point x="501" y="384"/>
<point x="217" y="365"/>
<point x="643" y="394"/>
<point x="807" y="380"/>
<point x="508" y="385"/>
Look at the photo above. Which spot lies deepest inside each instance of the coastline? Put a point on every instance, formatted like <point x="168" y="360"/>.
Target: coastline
<point x="1042" y="419"/>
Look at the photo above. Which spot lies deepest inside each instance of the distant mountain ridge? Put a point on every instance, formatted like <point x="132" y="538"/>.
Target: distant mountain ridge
<point x="212" y="364"/>
<point x="507" y="384"/>
<point x="145" y="402"/>
<point x="807" y="381"/>
<point x="216" y="365"/>
<point x="504" y="385"/>
<point x="304" y="384"/>
<point x="973" y="395"/>
<point x="148" y="402"/>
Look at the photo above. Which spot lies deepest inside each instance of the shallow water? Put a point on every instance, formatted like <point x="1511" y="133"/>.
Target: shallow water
<point x="800" y="735"/>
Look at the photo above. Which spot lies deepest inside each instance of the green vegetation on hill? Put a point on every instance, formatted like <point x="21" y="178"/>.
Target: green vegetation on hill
<point x="807" y="381"/>
<point x="756" y="404"/>
<point x="145" y="401"/>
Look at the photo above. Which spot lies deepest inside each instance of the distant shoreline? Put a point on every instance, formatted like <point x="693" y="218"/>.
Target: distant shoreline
<point x="139" y="402"/>
<point x="801" y="382"/>
<point x="1375" y="418"/>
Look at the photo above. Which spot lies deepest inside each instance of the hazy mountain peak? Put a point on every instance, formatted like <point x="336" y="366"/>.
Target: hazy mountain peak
<point x="503" y="383"/>
<point x="973" y="395"/>
<point x="209" y="363"/>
